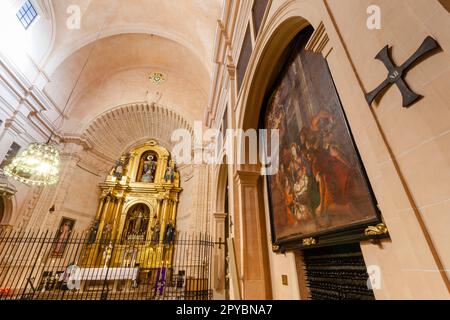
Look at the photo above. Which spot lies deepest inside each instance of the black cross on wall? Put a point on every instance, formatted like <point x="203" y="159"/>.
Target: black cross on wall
<point x="396" y="74"/>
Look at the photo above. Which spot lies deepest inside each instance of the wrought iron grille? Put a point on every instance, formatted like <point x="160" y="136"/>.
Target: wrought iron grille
<point x="41" y="266"/>
<point x="337" y="273"/>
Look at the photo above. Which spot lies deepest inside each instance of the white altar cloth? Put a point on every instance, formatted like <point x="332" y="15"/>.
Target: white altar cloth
<point x="84" y="274"/>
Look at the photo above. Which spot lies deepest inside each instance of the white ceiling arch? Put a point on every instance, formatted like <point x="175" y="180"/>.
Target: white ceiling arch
<point x="118" y="73"/>
<point x="191" y="23"/>
<point x="59" y="56"/>
<point x="123" y="43"/>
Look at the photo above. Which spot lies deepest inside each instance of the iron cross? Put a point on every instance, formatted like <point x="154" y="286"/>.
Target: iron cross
<point x="396" y="74"/>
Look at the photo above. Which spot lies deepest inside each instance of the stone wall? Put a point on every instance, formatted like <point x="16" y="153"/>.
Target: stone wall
<point x="405" y="151"/>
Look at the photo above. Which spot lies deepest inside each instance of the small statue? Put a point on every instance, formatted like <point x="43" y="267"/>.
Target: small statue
<point x="147" y="172"/>
<point x="107" y="254"/>
<point x="169" y="176"/>
<point x="138" y="224"/>
<point x="93" y="232"/>
<point x="170" y="233"/>
<point x="156" y="230"/>
<point x="119" y="169"/>
<point x="129" y="257"/>
<point x="107" y="230"/>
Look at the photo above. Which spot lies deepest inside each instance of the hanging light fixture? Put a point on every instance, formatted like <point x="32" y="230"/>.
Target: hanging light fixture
<point x="38" y="164"/>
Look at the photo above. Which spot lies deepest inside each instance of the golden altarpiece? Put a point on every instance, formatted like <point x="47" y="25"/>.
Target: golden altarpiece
<point x="135" y="221"/>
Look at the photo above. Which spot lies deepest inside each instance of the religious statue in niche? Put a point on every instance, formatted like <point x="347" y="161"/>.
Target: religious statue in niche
<point x="169" y="236"/>
<point x="137" y="223"/>
<point x="156" y="229"/>
<point x="148" y="169"/>
<point x="93" y="232"/>
<point x="107" y="253"/>
<point x="107" y="231"/>
<point x="169" y="176"/>
<point x="118" y="170"/>
<point x="62" y="236"/>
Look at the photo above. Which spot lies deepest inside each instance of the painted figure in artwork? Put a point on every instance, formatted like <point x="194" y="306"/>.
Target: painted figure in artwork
<point x="64" y="232"/>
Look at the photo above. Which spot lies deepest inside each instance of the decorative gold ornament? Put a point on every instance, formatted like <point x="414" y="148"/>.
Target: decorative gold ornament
<point x="136" y="214"/>
<point x="157" y="78"/>
<point x="309" y="241"/>
<point x="36" y="165"/>
<point x="275" y="247"/>
<point x="378" y="230"/>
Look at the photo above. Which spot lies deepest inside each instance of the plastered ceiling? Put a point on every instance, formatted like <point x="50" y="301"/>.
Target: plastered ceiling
<point x="127" y="40"/>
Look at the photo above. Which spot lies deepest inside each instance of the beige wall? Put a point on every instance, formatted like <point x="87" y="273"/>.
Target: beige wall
<point x="405" y="151"/>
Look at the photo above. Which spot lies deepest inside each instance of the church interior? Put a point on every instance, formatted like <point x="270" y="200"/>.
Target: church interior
<point x="224" y="150"/>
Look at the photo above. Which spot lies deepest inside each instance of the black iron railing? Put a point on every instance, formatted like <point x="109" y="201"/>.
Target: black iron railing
<point x="40" y="266"/>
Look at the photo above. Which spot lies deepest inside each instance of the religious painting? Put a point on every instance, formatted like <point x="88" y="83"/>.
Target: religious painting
<point x="321" y="186"/>
<point x="62" y="237"/>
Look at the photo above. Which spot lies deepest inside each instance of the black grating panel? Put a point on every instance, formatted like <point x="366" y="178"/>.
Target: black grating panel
<point x="337" y="273"/>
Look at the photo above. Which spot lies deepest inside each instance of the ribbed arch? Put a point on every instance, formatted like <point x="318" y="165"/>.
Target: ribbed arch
<point x="111" y="133"/>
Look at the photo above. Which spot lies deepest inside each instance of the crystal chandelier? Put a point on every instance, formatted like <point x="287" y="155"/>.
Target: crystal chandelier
<point x="37" y="165"/>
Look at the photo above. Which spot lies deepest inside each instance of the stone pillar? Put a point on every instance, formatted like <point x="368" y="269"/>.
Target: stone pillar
<point x="253" y="270"/>
<point x="116" y="217"/>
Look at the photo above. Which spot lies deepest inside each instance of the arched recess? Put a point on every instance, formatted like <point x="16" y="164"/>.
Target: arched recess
<point x="265" y="70"/>
<point x="130" y="226"/>
<point x="253" y="232"/>
<point x="7" y="201"/>
<point x="221" y="223"/>
<point x="221" y="187"/>
<point x="114" y="131"/>
<point x="128" y="206"/>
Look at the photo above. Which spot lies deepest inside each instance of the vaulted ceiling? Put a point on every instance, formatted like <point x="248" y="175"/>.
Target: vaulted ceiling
<point x="123" y="42"/>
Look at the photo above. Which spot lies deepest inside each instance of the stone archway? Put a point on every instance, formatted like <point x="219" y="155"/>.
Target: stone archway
<point x="219" y="227"/>
<point x="253" y="238"/>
